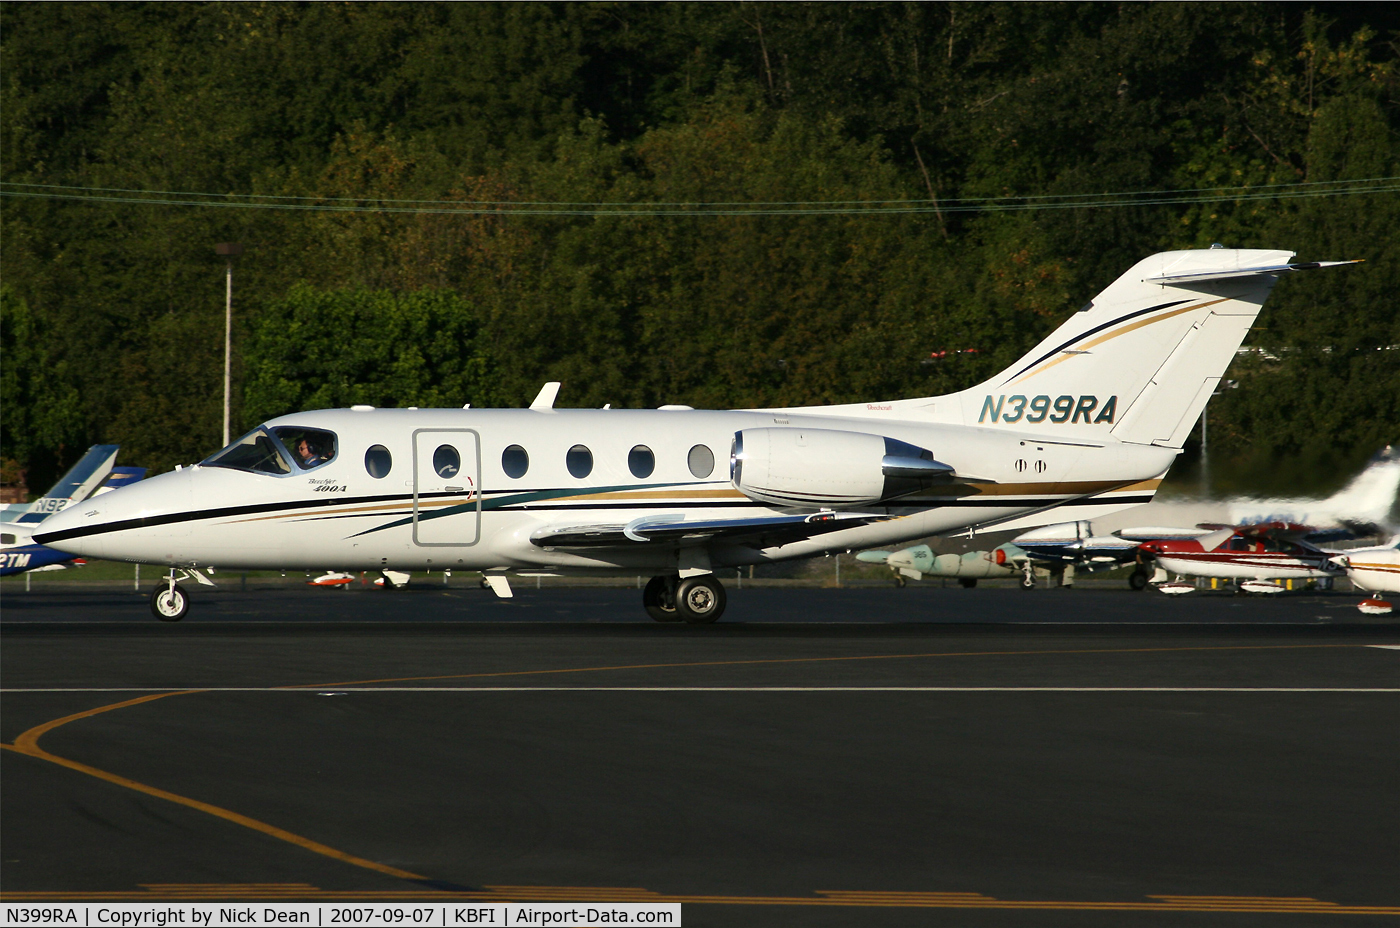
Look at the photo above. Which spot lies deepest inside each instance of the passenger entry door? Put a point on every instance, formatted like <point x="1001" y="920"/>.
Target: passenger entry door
<point x="446" y="487"/>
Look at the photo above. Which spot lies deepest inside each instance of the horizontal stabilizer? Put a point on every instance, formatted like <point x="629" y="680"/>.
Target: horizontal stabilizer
<point x="1179" y="277"/>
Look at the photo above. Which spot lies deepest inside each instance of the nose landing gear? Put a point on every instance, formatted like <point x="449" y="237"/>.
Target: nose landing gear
<point x="169" y="601"/>
<point x="698" y="600"/>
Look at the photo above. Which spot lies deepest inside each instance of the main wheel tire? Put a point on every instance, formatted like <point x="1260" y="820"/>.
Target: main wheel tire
<point x="1138" y="579"/>
<point x="169" y="603"/>
<point x="659" y="599"/>
<point x="700" y="600"/>
<point x="1027" y="581"/>
<point x="967" y="582"/>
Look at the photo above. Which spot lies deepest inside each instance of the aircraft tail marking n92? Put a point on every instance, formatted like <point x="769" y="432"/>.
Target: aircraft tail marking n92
<point x="1085" y="424"/>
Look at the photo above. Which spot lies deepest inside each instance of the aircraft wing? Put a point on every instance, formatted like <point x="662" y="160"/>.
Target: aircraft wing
<point x="763" y="530"/>
<point x="1285" y="531"/>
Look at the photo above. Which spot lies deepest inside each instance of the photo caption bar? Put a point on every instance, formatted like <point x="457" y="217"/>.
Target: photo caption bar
<point x="175" y="914"/>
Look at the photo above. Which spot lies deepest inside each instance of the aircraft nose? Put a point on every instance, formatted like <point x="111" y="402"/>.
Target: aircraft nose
<point x="63" y="531"/>
<point x="106" y="525"/>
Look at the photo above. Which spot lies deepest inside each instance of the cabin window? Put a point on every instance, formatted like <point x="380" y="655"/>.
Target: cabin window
<point x="257" y="452"/>
<point x="701" y="460"/>
<point x="641" y="462"/>
<point x="515" y="462"/>
<point x="579" y="460"/>
<point x="446" y="461"/>
<point x="7" y="539"/>
<point x="378" y="461"/>
<point x="309" y="448"/>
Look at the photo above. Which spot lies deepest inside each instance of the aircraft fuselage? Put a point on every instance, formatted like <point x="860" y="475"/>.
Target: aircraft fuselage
<point x="481" y="504"/>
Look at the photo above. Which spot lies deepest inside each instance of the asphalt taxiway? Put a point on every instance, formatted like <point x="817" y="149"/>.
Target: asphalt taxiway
<point x="870" y="765"/>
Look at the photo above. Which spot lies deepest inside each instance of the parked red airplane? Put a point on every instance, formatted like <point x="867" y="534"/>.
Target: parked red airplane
<point x="1255" y="554"/>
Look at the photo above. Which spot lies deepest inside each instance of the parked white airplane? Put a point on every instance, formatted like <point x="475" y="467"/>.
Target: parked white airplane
<point x="1089" y="420"/>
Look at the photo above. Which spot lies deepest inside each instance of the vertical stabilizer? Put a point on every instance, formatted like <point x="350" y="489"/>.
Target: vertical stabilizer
<point x="81" y="481"/>
<point x="1141" y="359"/>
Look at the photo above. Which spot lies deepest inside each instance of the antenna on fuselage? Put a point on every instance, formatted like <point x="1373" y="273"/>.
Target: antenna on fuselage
<point x="545" y="399"/>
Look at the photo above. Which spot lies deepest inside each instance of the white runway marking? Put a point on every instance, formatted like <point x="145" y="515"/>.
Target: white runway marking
<point x="341" y="691"/>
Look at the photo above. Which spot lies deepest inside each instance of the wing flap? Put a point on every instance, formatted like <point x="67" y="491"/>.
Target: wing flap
<point x="676" y="530"/>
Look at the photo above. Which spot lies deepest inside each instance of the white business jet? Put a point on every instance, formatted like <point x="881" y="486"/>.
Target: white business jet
<point x="1088" y="421"/>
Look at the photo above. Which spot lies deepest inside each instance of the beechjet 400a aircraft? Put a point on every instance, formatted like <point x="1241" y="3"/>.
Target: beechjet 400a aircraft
<point x="1088" y="421"/>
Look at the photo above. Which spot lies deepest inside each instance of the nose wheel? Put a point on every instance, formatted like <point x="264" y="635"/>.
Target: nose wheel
<point x="170" y="602"/>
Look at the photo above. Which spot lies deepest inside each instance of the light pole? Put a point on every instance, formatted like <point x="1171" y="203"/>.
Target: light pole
<point x="1205" y="436"/>
<point x="229" y="251"/>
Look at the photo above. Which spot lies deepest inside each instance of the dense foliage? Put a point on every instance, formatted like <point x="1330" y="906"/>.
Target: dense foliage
<point x="111" y="312"/>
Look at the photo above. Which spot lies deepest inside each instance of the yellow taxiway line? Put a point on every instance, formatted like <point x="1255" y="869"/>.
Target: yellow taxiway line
<point x="28" y="744"/>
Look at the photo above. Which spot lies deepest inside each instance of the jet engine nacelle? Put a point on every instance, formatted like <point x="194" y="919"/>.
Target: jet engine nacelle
<point x="826" y="468"/>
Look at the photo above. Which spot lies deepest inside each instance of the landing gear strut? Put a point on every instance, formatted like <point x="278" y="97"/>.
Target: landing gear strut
<point x="698" y="600"/>
<point x="169" y="601"/>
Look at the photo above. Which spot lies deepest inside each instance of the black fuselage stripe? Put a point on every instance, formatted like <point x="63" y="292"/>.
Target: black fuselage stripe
<point x="201" y="515"/>
<point x="225" y="512"/>
<point x="1083" y="335"/>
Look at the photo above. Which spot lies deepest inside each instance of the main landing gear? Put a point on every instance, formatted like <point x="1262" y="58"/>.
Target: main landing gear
<point x="698" y="600"/>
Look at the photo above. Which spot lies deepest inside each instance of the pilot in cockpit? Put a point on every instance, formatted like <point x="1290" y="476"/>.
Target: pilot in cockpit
<point x="309" y="454"/>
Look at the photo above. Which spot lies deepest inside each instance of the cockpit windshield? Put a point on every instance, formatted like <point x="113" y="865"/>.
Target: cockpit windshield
<point x="277" y="451"/>
<point x="309" y="448"/>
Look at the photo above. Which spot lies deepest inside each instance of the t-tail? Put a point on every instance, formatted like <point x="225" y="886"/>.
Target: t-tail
<point x="1140" y="360"/>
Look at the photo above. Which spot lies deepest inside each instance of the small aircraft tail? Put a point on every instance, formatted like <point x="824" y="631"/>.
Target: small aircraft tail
<point x="1365" y="504"/>
<point x="1141" y="359"/>
<point x="81" y="481"/>
<point x="1370" y="497"/>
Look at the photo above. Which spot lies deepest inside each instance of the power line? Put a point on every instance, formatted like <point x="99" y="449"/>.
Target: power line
<point x="1341" y="185"/>
<point x="756" y="208"/>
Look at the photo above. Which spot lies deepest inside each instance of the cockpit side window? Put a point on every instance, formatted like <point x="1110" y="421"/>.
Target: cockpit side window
<point x="309" y="448"/>
<point x="256" y="452"/>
